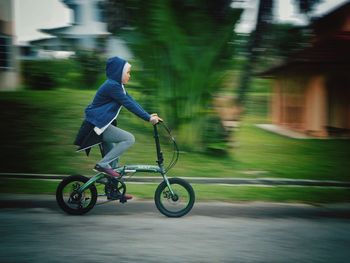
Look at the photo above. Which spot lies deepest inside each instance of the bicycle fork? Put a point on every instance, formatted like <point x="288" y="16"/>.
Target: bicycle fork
<point x="160" y="159"/>
<point x="165" y="178"/>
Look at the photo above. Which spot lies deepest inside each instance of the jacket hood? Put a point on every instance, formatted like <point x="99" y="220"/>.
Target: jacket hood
<point x="114" y="69"/>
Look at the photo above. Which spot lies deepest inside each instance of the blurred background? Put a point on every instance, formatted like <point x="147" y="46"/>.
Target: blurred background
<point x="249" y="88"/>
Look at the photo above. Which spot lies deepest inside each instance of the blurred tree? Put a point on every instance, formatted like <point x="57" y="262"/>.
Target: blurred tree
<point x="264" y="19"/>
<point x="265" y="31"/>
<point x="183" y="46"/>
<point x="46" y="74"/>
<point x="281" y="42"/>
<point x="90" y="65"/>
<point x="306" y="6"/>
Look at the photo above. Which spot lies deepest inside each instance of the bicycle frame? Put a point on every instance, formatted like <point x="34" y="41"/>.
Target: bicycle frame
<point x="137" y="167"/>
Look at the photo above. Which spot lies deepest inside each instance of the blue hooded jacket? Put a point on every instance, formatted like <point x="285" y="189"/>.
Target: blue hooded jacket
<point x="111" y="96"/>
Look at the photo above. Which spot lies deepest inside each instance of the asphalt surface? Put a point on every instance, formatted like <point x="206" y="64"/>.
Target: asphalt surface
<point x="33" y="229"/>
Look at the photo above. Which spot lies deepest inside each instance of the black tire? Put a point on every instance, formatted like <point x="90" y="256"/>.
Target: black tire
<point x="82" y="204"/>
<point x="172" y="206"/>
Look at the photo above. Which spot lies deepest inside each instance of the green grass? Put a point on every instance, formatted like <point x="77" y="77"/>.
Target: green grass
<point x="41" y="126"/>
<point x="292" y="158"/>
<point x="253" y="193"/>
<point x="204" y="192"/>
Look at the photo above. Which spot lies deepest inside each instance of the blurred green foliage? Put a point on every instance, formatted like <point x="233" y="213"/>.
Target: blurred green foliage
<point x="41" y="127"/>
<point x="82" y="71"/>
<point x="90" y="65"/>
<point x="217" y="138"/>
<point x="46" y="74"/>
<point x="184" y="48"/>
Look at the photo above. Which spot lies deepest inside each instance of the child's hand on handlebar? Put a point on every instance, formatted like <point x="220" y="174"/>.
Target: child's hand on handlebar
<point x="155" y="119"/>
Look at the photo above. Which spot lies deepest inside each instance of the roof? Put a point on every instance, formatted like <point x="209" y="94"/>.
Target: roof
<point x="331" y="47"/>
<point x="334" y="51"/>
<point x="332" y="20"/>
<point x="75" y="30"/>
<point x="43" y="40"/>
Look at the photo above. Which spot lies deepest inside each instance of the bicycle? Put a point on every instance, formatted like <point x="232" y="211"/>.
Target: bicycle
<point x="174" y="197"/>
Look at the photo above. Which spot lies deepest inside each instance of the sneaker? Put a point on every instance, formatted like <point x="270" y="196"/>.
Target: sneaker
<point x="128" y="197"/>
<point x="108" y="171"/>
<point x="125" y="198"/>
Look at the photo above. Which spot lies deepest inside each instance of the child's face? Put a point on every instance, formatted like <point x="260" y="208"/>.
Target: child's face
<point x="126" y="75"/>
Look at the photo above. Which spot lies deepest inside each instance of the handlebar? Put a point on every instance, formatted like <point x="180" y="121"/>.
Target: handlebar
<point x="175" y="156"/>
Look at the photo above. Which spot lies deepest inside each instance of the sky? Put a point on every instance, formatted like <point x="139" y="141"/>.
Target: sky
<point x="284" y="12"/>
<point x="31" y="15"/>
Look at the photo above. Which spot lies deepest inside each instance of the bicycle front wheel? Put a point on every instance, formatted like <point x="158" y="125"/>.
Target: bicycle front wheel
<point x="176" y="205"/>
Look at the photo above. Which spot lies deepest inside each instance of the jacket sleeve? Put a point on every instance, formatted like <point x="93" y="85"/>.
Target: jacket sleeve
<point x="117" y="93"/>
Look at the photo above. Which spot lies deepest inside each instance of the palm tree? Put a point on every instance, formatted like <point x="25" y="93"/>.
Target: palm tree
<point x="183" y="46"/>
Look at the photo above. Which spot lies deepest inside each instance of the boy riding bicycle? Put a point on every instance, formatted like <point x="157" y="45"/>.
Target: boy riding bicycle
<point x="99" y="126"/>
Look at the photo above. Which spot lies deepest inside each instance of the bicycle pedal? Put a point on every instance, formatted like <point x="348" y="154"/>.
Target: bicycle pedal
<point x="123" y="200"/>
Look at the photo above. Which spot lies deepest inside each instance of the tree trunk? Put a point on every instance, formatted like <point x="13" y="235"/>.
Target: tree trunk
<point x="263" y="20"/>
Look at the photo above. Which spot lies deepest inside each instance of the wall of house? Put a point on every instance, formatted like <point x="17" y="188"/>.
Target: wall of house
<point x="8" y="66"/>
<point x="314" y="98"/>
<point x="6" y="14"/>
<point x="288" y="102"/>
<point x="316" y="107"/>
<point x="346" y="25"/>
<point x="300" y="103"/>
<point x="337" y="85"/>
<point x="276" y="103"/>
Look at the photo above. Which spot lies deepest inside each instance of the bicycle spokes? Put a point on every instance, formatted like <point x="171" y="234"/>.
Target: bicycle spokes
<point x="176" y="201"/>
<point x="73" y="198"/>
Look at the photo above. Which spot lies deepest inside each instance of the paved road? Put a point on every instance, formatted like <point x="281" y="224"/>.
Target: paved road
<point x="36" y="231"/>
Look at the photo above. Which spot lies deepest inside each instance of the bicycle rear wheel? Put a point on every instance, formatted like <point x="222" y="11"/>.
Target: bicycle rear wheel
<point x="176" y="205"/>
<point x="73" y="202"/>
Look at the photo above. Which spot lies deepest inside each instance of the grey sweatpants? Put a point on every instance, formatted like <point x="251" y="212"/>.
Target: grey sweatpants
<point x="115" y="142"/>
